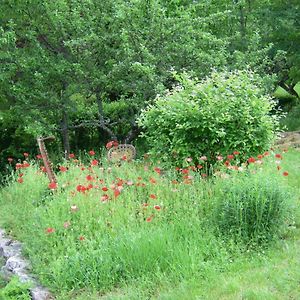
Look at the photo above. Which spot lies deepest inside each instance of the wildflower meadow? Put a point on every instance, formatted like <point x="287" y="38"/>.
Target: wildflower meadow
<point x="139" y="230"/>
<point x="149" y="149"/>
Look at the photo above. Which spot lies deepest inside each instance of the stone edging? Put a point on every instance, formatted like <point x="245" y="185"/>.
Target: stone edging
<point x="15" y="264"/>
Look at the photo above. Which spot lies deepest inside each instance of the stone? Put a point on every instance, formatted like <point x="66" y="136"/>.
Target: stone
<point x="13" y="249"/>
<point x="5" y="274"/>
<point x="15" y="262"/>
<point x="5" y="242"/>
<point x="40" y="293"/>
<point x="23" y="276"/>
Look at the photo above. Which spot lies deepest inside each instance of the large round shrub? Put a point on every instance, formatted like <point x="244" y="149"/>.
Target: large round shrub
<point x="226" y="112"/>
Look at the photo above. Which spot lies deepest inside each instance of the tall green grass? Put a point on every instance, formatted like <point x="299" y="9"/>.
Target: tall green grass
<point x="161" y="229"/>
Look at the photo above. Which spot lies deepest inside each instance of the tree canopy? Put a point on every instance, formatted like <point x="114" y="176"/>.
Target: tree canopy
<point x="83" y="70"/>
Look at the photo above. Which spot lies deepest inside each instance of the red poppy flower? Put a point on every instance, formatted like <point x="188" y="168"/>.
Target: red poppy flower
<point x="157" y="170"/>
<point x="230" y="156"/>
<point x="236" y="152"/>
<point x="43" y="169"/>
<point x="25" y="154"/>
<point x="219" y="157"/>
<point x="71" y="155"/>
<point x="80" y="188"/>
<point x="109" y="145"/>
<point x="89" y="177"/>
<point x="149" y="219"/>
<point x="104" y="189"/>
<point x="120" y="182"/>
<point x="199" y="167"/>
<point x="63" y="169"/>
<point x="116" y="193"/>
<point x="94" y="162"/>
<point x="124" y="157"/>
<point x="185" y="171"/>
<point x="157" y="207"/>
<point x="227" y="163"/>
<point x="145" y="204"/>
<point x="260" y="156"/>
<point x="20" y="180"/>
<point x="278" y="156"/>
<point x="266" y="153"/>
<point x="50" y="230"/>
<point x="52" y="185"/>
<point x="285" y="173"/>
<point x="91" y="152"/>
<point x="21" y="175"/>
<point x="204" y="175"/>
<point x="10" y="159"/>
<point x="251" y="160"/>
<point x="152" y="196"/>
<point x="81" y="238"/>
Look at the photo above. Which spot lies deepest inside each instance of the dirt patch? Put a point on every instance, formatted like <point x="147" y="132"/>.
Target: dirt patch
<point x="288" y="140"/>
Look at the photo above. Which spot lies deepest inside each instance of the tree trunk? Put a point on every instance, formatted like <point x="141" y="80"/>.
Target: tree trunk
<point x="112" y="136"/>
<point x="133" y="133"/>
<point x="65" y="134"/>
<point x="242" y="21"/>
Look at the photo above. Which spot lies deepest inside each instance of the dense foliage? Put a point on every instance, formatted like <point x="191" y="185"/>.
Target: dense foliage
<point x="82" y="71"/>
<point x="224" y="113"/>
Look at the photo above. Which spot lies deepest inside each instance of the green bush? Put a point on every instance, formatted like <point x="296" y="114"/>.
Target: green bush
<point x="252" y="209"/>
<point x="226" y="112"/>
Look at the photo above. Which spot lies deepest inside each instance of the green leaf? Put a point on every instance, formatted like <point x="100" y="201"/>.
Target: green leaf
<point x="297" y="88"/>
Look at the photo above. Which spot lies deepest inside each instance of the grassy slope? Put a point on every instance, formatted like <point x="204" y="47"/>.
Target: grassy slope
<point x="271" y="275"/>
<point x="275" y="275"/>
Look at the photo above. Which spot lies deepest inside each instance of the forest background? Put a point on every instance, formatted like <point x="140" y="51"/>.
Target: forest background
<point x="83" y="70"/>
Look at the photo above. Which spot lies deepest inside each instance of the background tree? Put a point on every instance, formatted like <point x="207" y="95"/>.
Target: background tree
<point x="83" y="70"/>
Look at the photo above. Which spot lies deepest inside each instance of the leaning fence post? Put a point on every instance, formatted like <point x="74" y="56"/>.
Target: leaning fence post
<point x="45" y="157"/>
